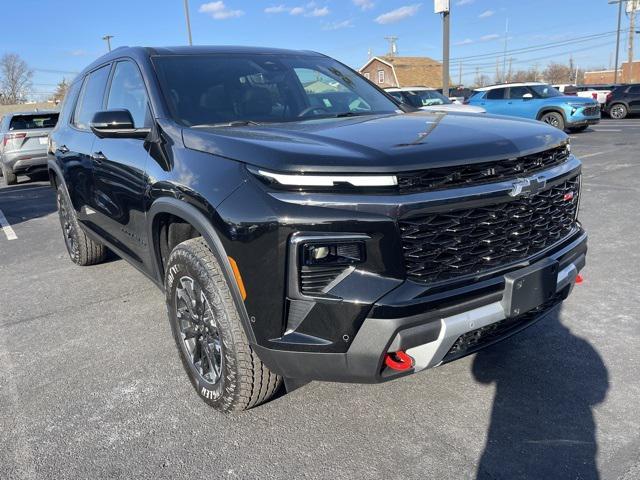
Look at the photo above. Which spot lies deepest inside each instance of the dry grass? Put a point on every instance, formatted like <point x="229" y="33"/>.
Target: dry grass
<point x="26" y="107"/>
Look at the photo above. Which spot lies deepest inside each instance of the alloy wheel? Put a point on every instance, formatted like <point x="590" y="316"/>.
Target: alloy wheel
<point x="199" y="331"/>
<point x="618" y="111"/>
<point x="551" y="120"/>
<point x="69" y="233"/>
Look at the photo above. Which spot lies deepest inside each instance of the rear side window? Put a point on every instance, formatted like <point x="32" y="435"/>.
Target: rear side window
<point x="518" y="92"/>
<point x="634" y="89"/>
<point x="31" y="122"/>
<point x="496" y="94"/>
<point x="128" y="91"/>
<point x="91" y="97"/>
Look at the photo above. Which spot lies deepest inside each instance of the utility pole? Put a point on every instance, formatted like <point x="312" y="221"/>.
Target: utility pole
<point x="631" y="7"/>
<point x="510" y="64"/>
<point x="393" y="45"/>
<point x="460" y="73"/>
<point x="443" y="7"/>
<point x="504" y="58"/>
<point x="615" y="67"/>
<point x="186" y="14"/>
<point x="497" y="70"/>
<point x="107" y="38"/>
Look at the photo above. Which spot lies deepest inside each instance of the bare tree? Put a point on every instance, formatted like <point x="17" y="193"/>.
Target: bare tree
<point x="15" y="78"/>
<point x="530" y="75"/>
<point x="482" y="80"/>
<point x="61" y="91"/>
<point x="558" y="73"/>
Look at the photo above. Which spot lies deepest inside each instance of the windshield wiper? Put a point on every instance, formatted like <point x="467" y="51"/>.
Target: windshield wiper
<point x="235" y="123"/>
<point x="350" y="114"/>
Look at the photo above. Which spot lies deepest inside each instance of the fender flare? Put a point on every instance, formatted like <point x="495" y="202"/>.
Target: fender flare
<point x="544" y="110"/>
<point x="204" y="226"/>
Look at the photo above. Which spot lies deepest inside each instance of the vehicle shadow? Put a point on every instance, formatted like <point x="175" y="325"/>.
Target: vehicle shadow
<point x="542" y="424"/>
<point x="27" y="201"/>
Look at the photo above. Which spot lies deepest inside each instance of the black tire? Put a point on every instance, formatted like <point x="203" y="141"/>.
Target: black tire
<point x="618" y="111"/>
<point x="578" y="129"/>
<point x="215" y="352"/>
<point x="554" y="119"/>
<point x="82" y="250"/>
<point x="10" y="178"/>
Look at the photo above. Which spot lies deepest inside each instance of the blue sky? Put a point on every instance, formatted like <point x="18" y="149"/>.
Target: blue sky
<point x="65" y="35"/>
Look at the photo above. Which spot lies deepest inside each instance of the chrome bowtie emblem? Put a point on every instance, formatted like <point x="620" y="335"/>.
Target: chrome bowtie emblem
<point x="527" y="186"/>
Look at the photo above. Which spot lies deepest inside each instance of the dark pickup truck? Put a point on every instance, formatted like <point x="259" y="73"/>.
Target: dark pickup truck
<point x="303" y="224"/>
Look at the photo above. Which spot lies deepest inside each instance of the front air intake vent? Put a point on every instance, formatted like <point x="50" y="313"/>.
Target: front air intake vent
<point x="314" y="280"/>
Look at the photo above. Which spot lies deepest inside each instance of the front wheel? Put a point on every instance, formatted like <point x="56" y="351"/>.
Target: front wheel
<point x="618" y="111"/>
<point x="206" y="326"/>
<point x="554" y="119"/>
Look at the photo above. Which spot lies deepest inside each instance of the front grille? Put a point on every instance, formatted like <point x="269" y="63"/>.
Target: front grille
<point x="479" y="173"/>
<point x="314" y="280"/>
<point x="445" y="245"/>
<point x="591" y="111"/>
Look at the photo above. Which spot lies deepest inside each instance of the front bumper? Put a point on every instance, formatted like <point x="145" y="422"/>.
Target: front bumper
<point x="583" y="122"/>
<point x="433" y="330"/>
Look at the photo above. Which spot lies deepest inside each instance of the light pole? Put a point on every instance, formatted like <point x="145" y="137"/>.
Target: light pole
<point x="186" y="14"/>
<point x="442" y="6"/>
<point x="107" y="38"/>
<point x="615" y="67"/>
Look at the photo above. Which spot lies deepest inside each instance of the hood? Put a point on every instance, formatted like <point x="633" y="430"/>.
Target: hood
<point x="376" y="143"/>
<point x="454" y="107"/>
<point x="573" y="99"/>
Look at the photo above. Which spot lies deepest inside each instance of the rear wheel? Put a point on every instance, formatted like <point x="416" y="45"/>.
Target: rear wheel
<point x="9" y="177"/>
<point x="618" y="111"/>
<point x="215" y="352"/>
<point x="82" y="250"/>
<point x="554" y="119"/>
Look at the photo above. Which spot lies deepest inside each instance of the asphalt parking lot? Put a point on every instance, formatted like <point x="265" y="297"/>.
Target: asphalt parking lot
<point x="91" y="385"/>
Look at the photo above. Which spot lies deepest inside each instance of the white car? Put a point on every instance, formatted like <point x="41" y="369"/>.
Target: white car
<point x="596" y="92"/>
<point x="426" y="98"/>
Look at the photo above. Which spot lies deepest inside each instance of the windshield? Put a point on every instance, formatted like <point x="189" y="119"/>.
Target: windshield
<point x="426" y="98"/>
<point x="545" y="91"/>
<point x="223" y="89"/>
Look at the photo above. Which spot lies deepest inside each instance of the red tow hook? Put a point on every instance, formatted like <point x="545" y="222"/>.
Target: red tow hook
<point x="579" y="279"/>
<point x="398" y="361"/>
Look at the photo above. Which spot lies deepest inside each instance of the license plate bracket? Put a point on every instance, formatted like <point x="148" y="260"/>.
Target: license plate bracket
<point x="529" y="287"/>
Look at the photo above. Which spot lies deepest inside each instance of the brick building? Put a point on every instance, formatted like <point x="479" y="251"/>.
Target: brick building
<point x="395" y="71"/>
<point x="627" y="74"/>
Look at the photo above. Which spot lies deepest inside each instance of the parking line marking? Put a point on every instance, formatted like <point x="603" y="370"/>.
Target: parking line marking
<point x="6" y="228"/>
<point x="594" y="154"/>
<point x="606" y="130"/>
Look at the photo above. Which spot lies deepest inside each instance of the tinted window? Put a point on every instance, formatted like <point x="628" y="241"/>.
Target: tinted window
<point x="128" y="91"/>
<point x="635" y="89"/>
<point x="91" y="97"/>
<point x="69" y="101"/>
<point x="218" y="89"/>
<point x="518" y="92"/>
<point x="30" y="122"/>
<point x="545" y="91"/>
<point x="496" y="94"/>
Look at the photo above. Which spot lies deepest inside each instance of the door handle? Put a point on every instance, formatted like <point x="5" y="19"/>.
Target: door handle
<point x="62" y="149"/>
<point x="98" y="157"/>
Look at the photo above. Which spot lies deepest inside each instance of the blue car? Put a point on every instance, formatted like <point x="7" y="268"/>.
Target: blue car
<point x="538" y="101"/>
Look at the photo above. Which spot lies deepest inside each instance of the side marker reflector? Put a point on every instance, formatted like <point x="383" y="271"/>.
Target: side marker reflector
<point x="579" y="279"/>
<point x="238" y="277"/>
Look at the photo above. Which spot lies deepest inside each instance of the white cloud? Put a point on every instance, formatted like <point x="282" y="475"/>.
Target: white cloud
<point x="460" y="3"/>
<point x="486" y="14"/>
<point x="338" y="25"/>
<point x="466" y="41"/>
<point x="363" y="4"/>
<point x="276" y="9"/>
<point x="318" y="12"/>
<point x="398" y="14"/>
<point x="491" y="36"/>
<point x="219" y="11"/>
<point x="296" y="11"/>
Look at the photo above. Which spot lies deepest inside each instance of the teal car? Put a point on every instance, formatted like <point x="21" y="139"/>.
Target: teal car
<point x="538" y="101"/>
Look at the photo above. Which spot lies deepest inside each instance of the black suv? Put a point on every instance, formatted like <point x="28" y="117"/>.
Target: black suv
<point x="304" y="225"/>
<point x="623" y="100"/>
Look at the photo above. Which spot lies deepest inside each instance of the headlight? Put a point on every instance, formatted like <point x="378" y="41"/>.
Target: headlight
<point x="317" y="180"/>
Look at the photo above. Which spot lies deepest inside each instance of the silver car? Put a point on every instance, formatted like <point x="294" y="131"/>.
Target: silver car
<point x="24" y="140"/>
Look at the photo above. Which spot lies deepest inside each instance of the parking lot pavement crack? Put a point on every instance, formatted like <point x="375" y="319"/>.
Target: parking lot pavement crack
<point x="71" y="308"/>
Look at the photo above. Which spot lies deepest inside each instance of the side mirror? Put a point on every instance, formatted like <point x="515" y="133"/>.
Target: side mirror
<point x="527" y="96"/>
<point x="116" y="124"/>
